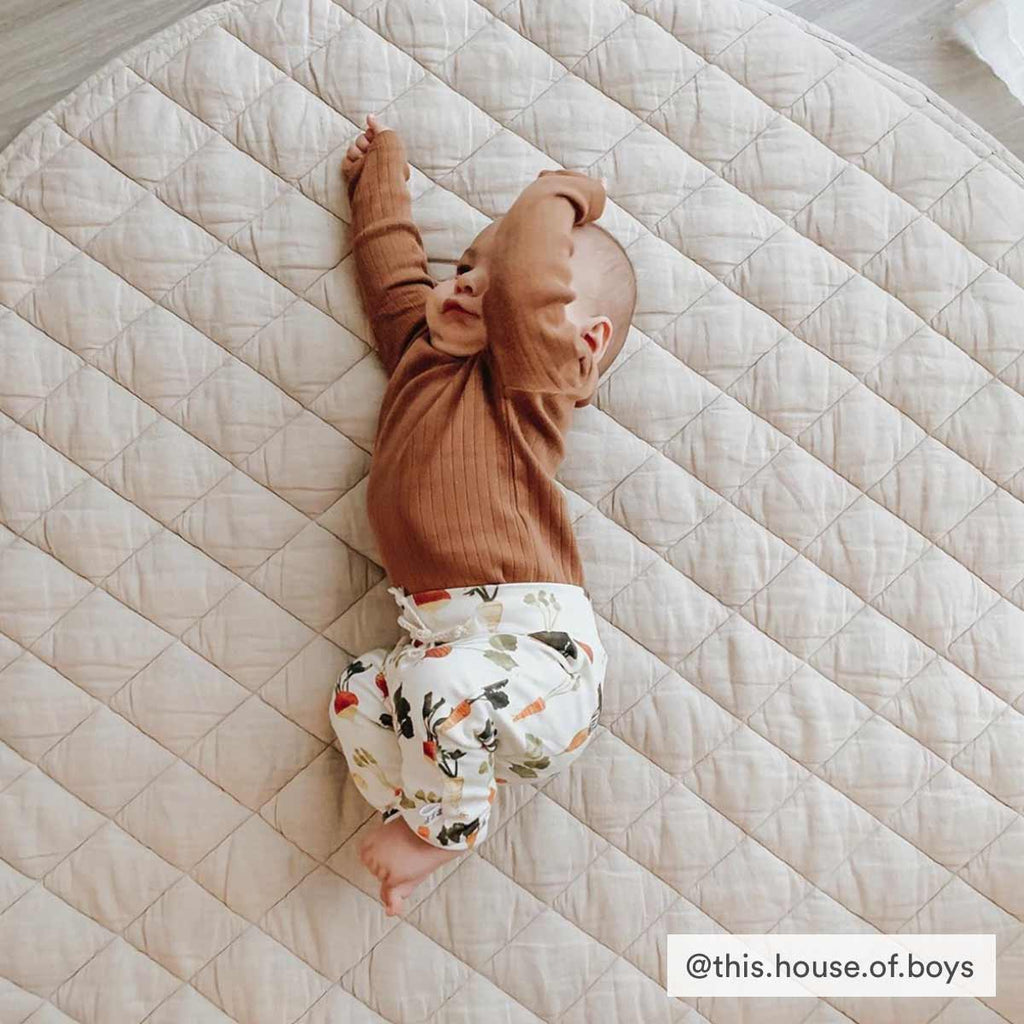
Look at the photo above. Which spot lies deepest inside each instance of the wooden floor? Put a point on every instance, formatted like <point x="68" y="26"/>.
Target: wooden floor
<point x="48" y="47"/>
<point x="914" y="37"/>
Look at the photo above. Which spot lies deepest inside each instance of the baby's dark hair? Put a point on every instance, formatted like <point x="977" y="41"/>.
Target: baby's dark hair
<point x="612" y="292"/>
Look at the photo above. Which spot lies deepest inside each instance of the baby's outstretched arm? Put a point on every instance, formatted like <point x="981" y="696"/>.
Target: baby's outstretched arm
<point x="391" y="263"/>
<point x="532" y="343"/>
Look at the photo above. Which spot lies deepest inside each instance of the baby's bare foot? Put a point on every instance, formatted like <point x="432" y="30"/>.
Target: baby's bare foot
<point x="401" y="860"/>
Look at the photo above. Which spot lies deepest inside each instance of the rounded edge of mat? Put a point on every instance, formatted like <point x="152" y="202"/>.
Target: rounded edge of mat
<point x="185" y="29"/>
<point x="947" y="110"/>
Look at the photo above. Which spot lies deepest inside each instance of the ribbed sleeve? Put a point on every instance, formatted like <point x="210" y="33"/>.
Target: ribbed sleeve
<point x="391" y="264"/>
<point x="532" y="343"/>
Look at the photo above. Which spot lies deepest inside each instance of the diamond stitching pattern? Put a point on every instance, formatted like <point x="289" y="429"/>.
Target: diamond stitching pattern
<point x="250" y="84"/>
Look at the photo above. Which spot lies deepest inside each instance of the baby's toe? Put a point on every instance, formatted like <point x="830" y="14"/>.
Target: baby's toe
<point x="379" y="869"/>
<point x="391" y="900"/>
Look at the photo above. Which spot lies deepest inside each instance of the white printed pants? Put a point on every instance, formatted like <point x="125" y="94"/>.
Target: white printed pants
<point x="491" y="684"/>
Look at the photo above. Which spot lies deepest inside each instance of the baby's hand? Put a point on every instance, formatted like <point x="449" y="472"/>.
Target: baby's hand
<point x="357" y="151"/>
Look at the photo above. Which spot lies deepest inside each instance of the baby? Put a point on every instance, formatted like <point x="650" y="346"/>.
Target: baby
<point x="498" y="676"/>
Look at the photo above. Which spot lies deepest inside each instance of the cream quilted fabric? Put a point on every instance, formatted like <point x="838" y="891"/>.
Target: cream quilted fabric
<point x="800" y="501"/>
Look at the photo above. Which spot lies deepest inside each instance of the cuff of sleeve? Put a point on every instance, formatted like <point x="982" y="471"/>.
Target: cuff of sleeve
<point x="586" y="194"/>
<point x="391" y="143"/>
<point x="387" y="152"/>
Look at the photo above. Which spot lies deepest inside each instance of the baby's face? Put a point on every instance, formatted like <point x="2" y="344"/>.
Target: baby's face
<point x="462" y="334"/>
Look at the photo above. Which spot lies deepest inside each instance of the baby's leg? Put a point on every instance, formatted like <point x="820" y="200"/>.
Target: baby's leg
<point x="446" y="734"/>
<point x="360" y="713"/>
<point x="401" y="860"/>
<point x="442" y="708"/>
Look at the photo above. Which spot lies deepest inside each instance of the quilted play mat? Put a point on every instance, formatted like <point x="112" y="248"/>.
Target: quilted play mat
<point x="799" y="499"/>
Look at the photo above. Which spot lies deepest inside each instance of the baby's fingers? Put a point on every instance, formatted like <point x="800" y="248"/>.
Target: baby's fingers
<point x="374" y="127"/>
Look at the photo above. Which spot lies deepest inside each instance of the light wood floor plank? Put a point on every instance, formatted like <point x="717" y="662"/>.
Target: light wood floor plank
<point x="48" y="47"/>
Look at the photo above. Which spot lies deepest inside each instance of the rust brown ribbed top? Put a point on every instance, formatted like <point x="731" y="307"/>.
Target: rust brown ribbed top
<point x="461" y="488"/>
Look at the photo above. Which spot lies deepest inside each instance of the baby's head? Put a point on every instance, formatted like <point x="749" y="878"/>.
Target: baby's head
<point x="602" y="278"/>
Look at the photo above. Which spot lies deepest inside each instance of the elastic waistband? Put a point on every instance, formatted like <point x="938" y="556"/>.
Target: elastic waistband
<point x="495" y="607"/>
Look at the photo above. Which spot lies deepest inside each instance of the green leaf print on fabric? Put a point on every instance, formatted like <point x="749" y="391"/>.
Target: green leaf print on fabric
<point x="402" y="710"/>
<point x="535" y="761"/>
<point x="503" y="661"/>
<point x="494" y="696"/>
<point x="502" y="643"/>
<point x="353" y="668"/>
<point x="561" y="642"/>
<point x="458" y="832"/>
<point x="362" y="758"/>
<point x="548" y="605"/>
<point x="489" y="736"/>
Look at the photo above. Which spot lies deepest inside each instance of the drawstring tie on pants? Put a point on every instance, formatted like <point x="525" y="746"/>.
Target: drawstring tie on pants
<point x="420" y="632"/>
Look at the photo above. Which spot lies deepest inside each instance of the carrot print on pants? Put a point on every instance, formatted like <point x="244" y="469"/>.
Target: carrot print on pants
<point x="490" y="685"/>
